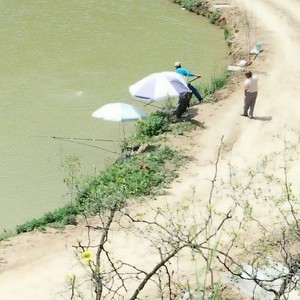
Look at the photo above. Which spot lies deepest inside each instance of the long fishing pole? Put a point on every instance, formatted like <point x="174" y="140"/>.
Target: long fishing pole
<point x="92" y="146"/>
<point x="150" y="104"/>
<point x="77" y="138"/>
<point x="194" y="78"/>
<point x="74" y="140"/>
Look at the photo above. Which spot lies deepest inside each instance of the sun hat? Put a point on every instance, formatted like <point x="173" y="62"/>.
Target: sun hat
<point x="177" y="64"/>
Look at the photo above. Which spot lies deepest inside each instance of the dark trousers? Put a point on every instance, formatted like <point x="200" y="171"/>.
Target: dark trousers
<point x="195" y="92"/>
<point x="183" y="104"/>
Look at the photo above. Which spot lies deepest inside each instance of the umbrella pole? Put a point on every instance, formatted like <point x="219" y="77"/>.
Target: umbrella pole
<point x="120" y="142"/>
<point x="124" y="138"/>
<point x="124" y="142"/>
<point x="166" y="131"/>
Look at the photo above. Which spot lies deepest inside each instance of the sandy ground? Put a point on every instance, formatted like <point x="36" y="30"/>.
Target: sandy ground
<point x="33" y="265"/>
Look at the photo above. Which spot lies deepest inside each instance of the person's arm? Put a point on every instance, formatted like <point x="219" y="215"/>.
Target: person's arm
<point x="246" y="86"/>
<point x="197" y="76"/>
<point x="189" y="73"/>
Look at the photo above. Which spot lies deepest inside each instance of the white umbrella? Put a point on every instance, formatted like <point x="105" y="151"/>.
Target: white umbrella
<point x="119" y="112"/>
<point x="159" y="86"/>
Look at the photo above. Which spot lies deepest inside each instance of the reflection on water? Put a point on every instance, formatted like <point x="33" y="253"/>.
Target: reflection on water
<point x="60" y="61"/>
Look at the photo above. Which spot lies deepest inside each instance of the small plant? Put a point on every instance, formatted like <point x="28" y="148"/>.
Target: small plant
<point x="188" y="4"/>
<point x="72" y="168"/>
<point x="214" y="16"/>
<point x="155" y="124"/>
<point x="226" y="33"/>
<point x="215" y="83"/>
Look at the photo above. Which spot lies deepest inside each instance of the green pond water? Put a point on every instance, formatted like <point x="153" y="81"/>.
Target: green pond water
<point x="59" y="62"/>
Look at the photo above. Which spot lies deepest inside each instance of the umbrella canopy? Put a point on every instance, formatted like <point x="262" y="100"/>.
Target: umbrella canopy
<point x="119" y="112"/>
<point x="159" y="86"/>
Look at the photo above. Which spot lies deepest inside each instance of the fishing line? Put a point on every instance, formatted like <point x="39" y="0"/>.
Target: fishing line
<point x="74" y="140"/>
<point x="84" y="144"/>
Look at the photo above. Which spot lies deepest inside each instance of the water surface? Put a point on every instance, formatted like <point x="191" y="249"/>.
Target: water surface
<point x="60" y="61"/>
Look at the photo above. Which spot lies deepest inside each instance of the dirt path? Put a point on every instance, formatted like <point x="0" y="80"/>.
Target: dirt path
<point x="32" y="266"/>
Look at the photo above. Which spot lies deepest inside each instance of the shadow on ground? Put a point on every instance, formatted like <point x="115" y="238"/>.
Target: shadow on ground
<point x="267" y="118"/>
<point x="193" y="112"/>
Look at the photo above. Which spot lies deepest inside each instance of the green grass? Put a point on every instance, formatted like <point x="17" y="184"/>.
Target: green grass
<point x="226" y="34"/>
<point x="141" y="175"/>
<point x="188" y="4"/>
<point x="153" y="128"/>
<point x="155" y="124"/>
<point x="214" y="16"/>
<point x="216" y="82"/>
<point x="58" y="218"/>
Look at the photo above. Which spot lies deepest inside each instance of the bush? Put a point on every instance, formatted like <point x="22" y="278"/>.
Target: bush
<point x="60" y="217"/>
<point x="226" y="34"/>
<point x="214" y="16"/>
<point x="155" y="124"/>
<point x="137" y="176"/>
<point x="188" y="4"/>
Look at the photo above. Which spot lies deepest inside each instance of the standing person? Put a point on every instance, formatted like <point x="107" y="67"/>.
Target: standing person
<point x="250" y="89"/>
<point x="186" y="73"/>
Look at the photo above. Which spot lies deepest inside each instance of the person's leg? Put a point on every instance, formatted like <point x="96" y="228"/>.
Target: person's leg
<point x="181" y="107"/>
<point x="252" y="104"/>
<point x="188" y="97"/>
<point x="183" y="104"/>
<point x="247" y="102"/>
<point x="195" y="92"/>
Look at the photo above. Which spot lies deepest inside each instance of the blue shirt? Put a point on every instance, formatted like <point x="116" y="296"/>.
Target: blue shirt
<point x="184" y="72"/>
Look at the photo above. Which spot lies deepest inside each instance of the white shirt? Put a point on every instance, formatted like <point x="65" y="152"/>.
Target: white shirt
<point x="250" y="84"/>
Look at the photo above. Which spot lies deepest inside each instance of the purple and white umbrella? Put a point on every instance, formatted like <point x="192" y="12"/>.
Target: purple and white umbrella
<point x="159" y="86"/>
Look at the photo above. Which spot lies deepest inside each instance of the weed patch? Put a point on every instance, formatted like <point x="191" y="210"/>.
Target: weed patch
<point x="139" y="175"/>
<point x="58" y="218"/>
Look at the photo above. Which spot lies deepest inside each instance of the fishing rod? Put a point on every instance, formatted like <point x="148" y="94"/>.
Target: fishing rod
<point x="79" y="139"/>
<point x="75" y="140"/>
<point x="150" y="104"/>
<point x="194" y="78"/>
<point x="92" y="146"/>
